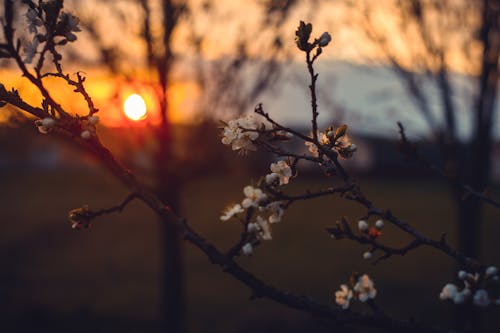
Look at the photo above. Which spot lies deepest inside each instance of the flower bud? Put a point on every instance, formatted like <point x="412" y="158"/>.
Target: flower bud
<point x="86" y="134"/>
<point x="247" y="249"/>
<point x="93" y="120"/>
<point x="252" y="227"/>
<point x="490" y="271"/>
<point x="367" y="255"/>
<point x="324" y="39"/>
<point x="48" y="122"/>
<point x="362" y="225"/>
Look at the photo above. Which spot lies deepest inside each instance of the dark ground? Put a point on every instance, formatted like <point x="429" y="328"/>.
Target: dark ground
<point x="55" y="279"/>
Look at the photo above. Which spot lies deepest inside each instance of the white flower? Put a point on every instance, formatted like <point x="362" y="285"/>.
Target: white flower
<point x="490" y="271"/>
<point x="45" y="125"/>
<point x="323" y="139"/>
<point x="30" y="50"/>
<point x="481" y="298"/>
<point x="93" y="120"/>
<point x="272" y="178"/>
<point x="363" y="225"/>
<point x="33" y="20"/>
<point x="241" y="133"/>
<point x="265" y="228"/>
<point x="276" y="211"/>
<point x="345" y="148"/>
<point x="379" y="224"/>
<point x="247" y="249"/>
<point x="252" y="227"/>
<point x="343" y="296"/>
<point x="367" y="255"/>
<point x="313" y="149"/>
<point x="462" y="275"/>
<point x="253" y="197"/>
<point x="86" y="134"/>
<point x="283" y="170"/>
<point x="229" y="213"/>
<point x="324" y="39"/>
<point x="365" y="288"/>
<point x="461" y="296"/>
<point x="449" y="291"/>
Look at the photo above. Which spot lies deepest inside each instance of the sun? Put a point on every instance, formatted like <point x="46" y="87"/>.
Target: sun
<point x="134" y="107"/>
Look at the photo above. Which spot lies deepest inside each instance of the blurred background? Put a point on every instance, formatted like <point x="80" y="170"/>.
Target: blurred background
<point x="164" y="74"/>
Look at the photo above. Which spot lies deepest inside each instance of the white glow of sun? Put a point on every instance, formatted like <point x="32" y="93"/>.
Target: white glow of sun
<point x="135" y="107"/>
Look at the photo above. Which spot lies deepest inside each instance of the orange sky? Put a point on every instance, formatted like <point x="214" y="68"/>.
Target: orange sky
<point x="221" y="28"/>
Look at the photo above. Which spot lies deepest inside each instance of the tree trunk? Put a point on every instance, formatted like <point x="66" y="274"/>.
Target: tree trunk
<point x="172" y="283"/>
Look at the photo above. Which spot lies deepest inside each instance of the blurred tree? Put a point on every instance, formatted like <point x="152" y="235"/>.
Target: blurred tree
<point x="427" y="45"/>
<point x="224" y="83"/>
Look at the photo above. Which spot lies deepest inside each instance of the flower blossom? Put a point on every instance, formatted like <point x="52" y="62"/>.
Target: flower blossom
<point x="345" y="148"/>
<point x="260" y="228"/>
<point x="264" y="228"/>
<point x="364" y="288"/>
<point x="272" y="178"/>
<point x="451" y="292"/>
<point x="86" y="134"/>
<point x="343" y="296"/>
<point x="363" y="225"/>
<point x="367" y="255"/>
<point x="247" y="249"/>
<point x="241" y="133"/>
<point x="481" y="298"/>
<point x="93" y="120"/>
<point x="254" y="196"/>
<point x="313" y="148"/>
<point x="379" y="224"/>
<point x="232" y="211"/>
<point x="45" y="125"/>
<point x="283" y="170"/>
<point x="275" y="210"/>
<point x="491" y="271"/>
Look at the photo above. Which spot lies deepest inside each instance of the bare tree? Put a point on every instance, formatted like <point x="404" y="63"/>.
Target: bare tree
<point x="224" y="84"/>
<point x="447" y="37"/>
<point x="428" y="43"/>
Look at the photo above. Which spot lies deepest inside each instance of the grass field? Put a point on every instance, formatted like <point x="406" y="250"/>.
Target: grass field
<point x="107" y="278"/>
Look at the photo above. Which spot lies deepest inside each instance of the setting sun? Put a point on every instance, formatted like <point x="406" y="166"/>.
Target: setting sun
<point x="135" y="107"/>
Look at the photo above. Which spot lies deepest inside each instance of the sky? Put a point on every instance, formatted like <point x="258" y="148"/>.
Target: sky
<point x="353" y="73"/>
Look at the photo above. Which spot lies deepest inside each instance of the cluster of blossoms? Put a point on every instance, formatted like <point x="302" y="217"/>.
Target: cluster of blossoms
<point x="89" y="127"/>
<point x="261" y="210"/>
<point x="372" y="232"/>
<point x="241" y="133"/>
<point x="65" y="27"/>
<point x="263" y="213"/>
<point x="473" y="289"/>
<point x="280" y="173"/>
<point x="333" y="140"/>
<point x="363" y="290"/>
<point x="45" y="125"/>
